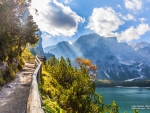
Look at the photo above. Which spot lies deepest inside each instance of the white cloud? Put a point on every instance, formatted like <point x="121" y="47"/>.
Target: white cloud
<point x="104" y="21"/>
<point x="119" y="6"/>
<point x="67" y="1"/>
<point x="55" y="18"/>
<point x="133" y="4"/>
<point x="133" y="33"/>
<point x="130" y="17"/>
<point x="142" y="20"/>
<point x="142" y="28"/>
<point x="127" y="17"/>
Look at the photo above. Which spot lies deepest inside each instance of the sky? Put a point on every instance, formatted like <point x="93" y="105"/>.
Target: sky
<point x="67" y="20"/>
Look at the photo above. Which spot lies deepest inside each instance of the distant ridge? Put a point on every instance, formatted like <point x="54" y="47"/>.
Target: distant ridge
<point x="115" y="60"/>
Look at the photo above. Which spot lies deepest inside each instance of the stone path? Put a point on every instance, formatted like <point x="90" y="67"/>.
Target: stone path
<point x="14" y="95"/>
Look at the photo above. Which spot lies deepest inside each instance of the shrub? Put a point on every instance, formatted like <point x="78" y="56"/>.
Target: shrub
<point x="71" y="89"/>
<point x="52" y="107"/>
<point x="21" y="63"/>
<point x="20" y="66"/>
<point x="1" y="81"/>
<point x="10" y="73"/>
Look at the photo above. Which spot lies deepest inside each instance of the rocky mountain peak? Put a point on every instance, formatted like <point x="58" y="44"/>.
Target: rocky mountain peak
<point x="115" y="60"/>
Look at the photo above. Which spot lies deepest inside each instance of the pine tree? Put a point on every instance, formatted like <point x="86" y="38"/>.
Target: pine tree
<point x="70" y="89"/>
<point x="14" y="35"/>
<point x="27" y="34"/>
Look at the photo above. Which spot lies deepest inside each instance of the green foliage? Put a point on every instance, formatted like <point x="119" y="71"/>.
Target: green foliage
<point x="28" y="34"/>
<point x="52" y="107"/>
<point x="1" y="81"/>
<point x="135" y="111"/>
<point x="15" y="35"/>
<point x="109" y="83"/>
<point x="9" y="73"/>
<point x="27" y="52"/>
<point x="27" y="55"/>
<point x="8" y="27"/>
<point x="21" y="63"/>
<point x="20" y="66"/>
<point x="70" y="89"/>
<point x="1" y="78"/>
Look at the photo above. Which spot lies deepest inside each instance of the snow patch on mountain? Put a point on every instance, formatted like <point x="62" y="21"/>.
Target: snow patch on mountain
<point x="115" y="60"/>
<point x="106" y="74"/>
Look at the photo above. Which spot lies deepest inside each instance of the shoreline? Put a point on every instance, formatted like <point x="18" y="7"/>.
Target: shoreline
<point x="120" y="87"/>
<point x="131" y="87"/>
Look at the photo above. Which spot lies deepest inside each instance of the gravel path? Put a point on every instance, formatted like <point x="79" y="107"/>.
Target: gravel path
<point x="14" y="95"/>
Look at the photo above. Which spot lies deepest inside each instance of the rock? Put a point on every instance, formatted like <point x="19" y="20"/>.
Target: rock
<point x="38" y="49"/>
<point x="9" y="86"/>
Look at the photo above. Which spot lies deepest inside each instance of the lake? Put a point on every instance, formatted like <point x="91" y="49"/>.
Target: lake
<point x="127" y="98"/>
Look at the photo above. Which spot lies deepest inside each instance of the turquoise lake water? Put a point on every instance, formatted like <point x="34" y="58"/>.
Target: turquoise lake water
<point x="127" y="98"/>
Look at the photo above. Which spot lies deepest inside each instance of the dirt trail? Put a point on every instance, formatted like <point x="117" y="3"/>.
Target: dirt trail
<point x="14" y="95"/>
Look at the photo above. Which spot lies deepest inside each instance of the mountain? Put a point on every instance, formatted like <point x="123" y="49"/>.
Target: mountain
<point x="47" y="49"/>
<point x="115" y="61"/>
<point x="143" y="48"/>
<point x="38" y="49"/>
<point x="63" y="49"/>
<point x="140" y="45"/>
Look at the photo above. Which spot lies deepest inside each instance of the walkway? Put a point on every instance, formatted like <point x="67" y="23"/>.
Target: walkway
<point x="14" y="96"/>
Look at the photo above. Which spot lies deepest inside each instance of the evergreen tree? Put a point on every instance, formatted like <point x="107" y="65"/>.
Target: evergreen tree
<point x="9" y="28"/>
<point x="15" y="34"/>
<point x="27" y="34"/>
<point x="72" y="89"/>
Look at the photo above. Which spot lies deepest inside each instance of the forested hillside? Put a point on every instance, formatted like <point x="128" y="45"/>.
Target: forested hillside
<point x="16" y="33"/>
<point x="68" y="89"/>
